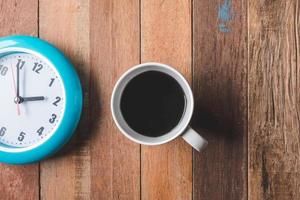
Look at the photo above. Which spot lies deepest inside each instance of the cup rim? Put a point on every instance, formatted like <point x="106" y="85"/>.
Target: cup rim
<point x="122" y="124"/>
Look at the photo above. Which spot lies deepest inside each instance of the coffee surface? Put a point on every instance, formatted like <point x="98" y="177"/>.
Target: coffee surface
<point x="152" y="103"/>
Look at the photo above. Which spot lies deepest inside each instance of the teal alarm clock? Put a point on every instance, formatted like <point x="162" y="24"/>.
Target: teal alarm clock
<point x="40" y="99"/>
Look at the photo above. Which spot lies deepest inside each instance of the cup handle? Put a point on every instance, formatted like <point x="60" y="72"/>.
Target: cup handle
<point x="194" y="139"/>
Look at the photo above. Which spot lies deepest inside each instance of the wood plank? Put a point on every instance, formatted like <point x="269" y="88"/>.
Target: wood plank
<point x="115" y="46"/>
<point x="66" y="24"/>
<point x="220" y="90"/>
<point x="19" y="17"/>
<point x="166" y="38"/>
<point x="274" y="99"/>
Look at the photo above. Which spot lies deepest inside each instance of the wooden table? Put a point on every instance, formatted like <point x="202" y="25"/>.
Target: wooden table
<point x="242" y="60"/>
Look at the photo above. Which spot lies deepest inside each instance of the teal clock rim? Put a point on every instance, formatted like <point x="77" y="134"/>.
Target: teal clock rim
<point x="73" y="99"/>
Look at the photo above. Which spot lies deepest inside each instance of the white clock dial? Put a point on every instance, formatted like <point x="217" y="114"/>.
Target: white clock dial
<point x="32" y="116"/>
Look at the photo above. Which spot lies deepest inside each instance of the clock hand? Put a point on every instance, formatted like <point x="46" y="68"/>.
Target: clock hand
<point x="14" y="84"/>
<point x="37" y="98"/>
<point x="18" y="81"/>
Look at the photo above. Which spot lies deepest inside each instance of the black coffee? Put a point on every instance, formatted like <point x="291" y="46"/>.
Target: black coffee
<point x="152" y="103"/>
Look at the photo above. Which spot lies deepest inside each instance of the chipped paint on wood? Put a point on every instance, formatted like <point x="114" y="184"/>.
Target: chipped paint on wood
<point x="225" y="16"/>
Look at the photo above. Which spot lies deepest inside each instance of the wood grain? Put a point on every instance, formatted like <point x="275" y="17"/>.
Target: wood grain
<point x="166" y="38"/>
<point x="242" y="58"/>
<point x="19" y="182"/>
<point x="115" y="47"/>
<point x="220" y="90"/>
<point x="274" y="99"/>
<point x="66" y="25"/>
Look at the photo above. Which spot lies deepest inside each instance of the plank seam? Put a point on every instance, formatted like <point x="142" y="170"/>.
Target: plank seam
<point x="192" y="80"/>
<point x="38" y="18"/>
<point x="140" y="61"/>
<point x="247" y="99"/>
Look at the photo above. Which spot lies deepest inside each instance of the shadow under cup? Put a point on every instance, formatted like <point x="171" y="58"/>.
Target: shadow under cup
<point x="152" y="104"/>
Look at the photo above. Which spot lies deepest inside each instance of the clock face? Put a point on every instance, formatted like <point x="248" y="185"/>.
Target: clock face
<point x="32" y="100"/>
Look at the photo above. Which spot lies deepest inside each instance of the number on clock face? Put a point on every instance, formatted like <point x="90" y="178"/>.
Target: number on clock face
<point x="32" y="116"/>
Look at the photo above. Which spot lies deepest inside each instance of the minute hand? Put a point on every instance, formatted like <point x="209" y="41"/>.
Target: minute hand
<point x="18" y="81"/>
<point x="37" y="98"/>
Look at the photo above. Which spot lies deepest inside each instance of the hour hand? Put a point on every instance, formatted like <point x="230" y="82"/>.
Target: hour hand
<point x="37" y="98"/>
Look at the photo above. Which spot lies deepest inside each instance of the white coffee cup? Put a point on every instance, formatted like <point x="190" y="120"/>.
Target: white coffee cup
<point x="181" y="129"/>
